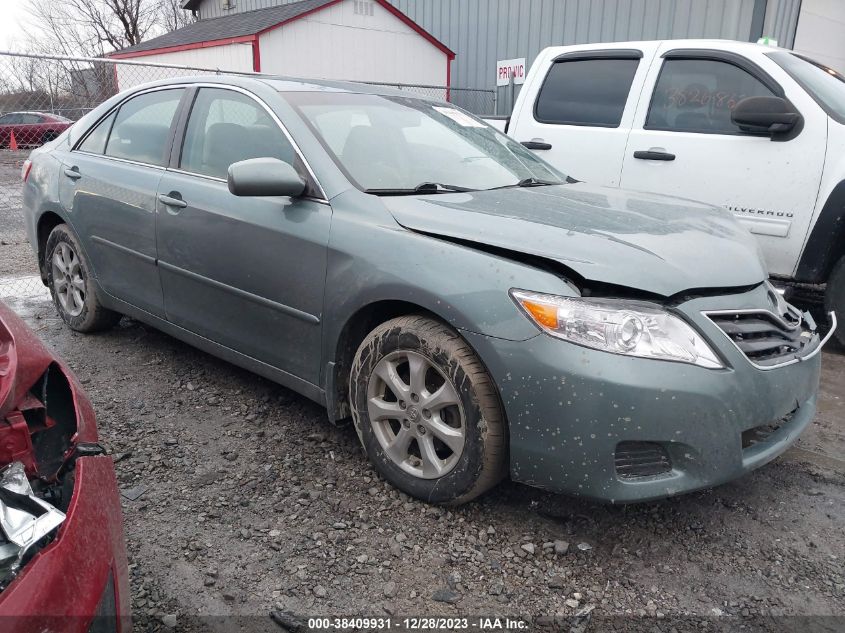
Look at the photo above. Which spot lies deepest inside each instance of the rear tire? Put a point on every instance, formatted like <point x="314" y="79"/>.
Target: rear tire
<point x="71" y="284"/>
<point x="427" y="411"/>
<point x="834" y="298"/>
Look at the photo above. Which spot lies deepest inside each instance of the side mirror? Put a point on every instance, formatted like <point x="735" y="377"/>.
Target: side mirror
<point x="765" y="115"/>
<point x="264" y="177"/>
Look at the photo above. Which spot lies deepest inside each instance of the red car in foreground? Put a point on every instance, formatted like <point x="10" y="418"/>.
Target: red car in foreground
<point x="55" y="476"/>
<point x="31" y="128"/>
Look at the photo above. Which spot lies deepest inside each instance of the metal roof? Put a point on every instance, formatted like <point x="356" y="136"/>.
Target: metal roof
<point x="230" y="26"/>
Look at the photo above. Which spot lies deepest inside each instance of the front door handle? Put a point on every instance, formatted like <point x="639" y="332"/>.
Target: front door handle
<point x="652" y="154"/>
<point x="170" y="201"/>
<point x="537" y="144"/>
<point x="73" y="173"/>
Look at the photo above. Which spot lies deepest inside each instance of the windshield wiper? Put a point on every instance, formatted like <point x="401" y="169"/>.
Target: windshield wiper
<point x="528" y="182"/>
<point x="423" y="187"/>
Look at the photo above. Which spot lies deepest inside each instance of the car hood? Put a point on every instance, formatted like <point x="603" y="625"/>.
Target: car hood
<point x="653" y="243"/>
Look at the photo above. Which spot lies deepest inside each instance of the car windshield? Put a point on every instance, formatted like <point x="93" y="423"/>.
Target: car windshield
<point x="394" y="145"/>
<point x="826" y="85"/>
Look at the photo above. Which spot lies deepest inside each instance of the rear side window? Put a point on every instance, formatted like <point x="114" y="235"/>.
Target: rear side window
<point x="95" y="142"/>
<point x="226" y="127"/>
<point x="586" y="92"/>
<point x="142" y="127"/>
<point x="697" y="95"/>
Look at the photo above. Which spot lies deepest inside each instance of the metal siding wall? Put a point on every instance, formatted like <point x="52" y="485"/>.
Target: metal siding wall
<point x="214" y="8"/>
<point x="782" y="21"/>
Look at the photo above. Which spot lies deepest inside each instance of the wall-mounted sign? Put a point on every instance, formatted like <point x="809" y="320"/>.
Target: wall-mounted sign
<point x="507" y="68"/>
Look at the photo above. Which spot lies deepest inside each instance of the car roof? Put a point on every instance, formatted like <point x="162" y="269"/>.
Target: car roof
<point x="27" y="112"/>
<point x="287" y="84"/>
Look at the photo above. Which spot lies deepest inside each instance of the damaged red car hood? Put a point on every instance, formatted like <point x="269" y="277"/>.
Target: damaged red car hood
<point x="23" y="360"/>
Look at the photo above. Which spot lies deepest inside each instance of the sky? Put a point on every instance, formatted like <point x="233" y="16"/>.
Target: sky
<point x="13" y="14"/>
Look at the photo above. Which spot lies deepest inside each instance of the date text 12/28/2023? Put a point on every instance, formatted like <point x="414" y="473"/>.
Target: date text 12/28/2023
<point x="418" y="624"/>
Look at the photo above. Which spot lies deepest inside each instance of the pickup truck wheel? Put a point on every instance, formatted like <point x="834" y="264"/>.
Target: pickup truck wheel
<point x="427" y="412"/>
<point x="834" y="298"/>
<point x="71" y="284"/>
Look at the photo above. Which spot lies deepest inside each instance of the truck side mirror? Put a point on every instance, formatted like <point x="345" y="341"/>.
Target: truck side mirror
<point x="765" y="115"/>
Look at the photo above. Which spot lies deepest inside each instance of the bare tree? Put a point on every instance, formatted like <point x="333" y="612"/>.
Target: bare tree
<point x="97" y="27"/>
<point x="172" y="16"/>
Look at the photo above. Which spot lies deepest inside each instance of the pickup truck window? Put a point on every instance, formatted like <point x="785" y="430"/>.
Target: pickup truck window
<point x="590" y="92"/>
<point x="825" y="85"/>
<point x="697" y="95"/>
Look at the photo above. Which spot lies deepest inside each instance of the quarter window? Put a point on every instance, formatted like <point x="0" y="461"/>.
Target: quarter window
<point x="586" y="92"/>
<point x="95" y="142"/>
<point x="698" y="95"/>
<point x="142" y="127"/>
<point x="226" y="127"/>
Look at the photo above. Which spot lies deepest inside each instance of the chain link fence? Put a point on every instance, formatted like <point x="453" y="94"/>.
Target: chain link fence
<point x="41" y="96"/>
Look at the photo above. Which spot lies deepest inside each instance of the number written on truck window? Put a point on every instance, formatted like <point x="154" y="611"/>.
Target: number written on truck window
<point x="590" y="92"/>
<point x="697" y="95"/>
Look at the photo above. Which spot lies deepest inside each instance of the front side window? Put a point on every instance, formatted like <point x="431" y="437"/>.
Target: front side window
<point x="142" y="127"/>
<point x="395" y="144"/>
<point x="589" y="92"/>
<point x="698" y="95"/>
<point x="226" y="127"/>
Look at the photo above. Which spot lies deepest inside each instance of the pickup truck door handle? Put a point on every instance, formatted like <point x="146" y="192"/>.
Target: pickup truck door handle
<point x="653" y="155"/>
<point x="170" y="201"/>
<point x="537" y="144"/>
<point x="73" y="173"/>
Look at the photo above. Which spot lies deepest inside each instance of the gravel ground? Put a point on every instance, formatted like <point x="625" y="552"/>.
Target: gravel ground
<point x="253" y="502"/>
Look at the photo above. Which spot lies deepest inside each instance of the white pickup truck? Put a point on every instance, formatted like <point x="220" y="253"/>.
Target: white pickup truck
<point x="755" y="129"/>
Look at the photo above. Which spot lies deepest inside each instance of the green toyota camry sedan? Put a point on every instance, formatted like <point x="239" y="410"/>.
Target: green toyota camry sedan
<point x="474" y="311"/>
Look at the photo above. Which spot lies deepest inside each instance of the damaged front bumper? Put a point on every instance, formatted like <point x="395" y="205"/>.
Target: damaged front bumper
<point x="623" y="429"/>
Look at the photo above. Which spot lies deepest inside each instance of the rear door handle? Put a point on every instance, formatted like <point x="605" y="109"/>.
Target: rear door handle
<point x="170" y="201"/>
<point x="653" y="155"/>
<point x="73" y="174"/>
<point x="538" y="144"/>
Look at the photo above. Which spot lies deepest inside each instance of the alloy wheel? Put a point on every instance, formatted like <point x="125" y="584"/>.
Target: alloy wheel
<point x="416" y="414"/>
<point x="68" y="282"/>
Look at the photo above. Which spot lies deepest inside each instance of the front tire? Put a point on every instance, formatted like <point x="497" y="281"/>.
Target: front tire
<point x="71" y="284"/>
<point x="427" y="411"/>
<point x="834" y="298"/>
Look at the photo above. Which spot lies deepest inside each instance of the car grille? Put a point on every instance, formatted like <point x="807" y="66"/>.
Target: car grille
<point x="767" y="340"/>
<point x="641" y="459"/>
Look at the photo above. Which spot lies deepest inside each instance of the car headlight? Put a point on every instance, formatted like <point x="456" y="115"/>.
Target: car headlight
<point x="618" y="326"/>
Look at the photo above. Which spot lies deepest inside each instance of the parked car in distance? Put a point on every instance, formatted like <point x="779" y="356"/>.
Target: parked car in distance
<point x="755" y="129"/>
<point x="31" y="129"/>
<point x="397" y="260"/>
<point x="70" y="575"/>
